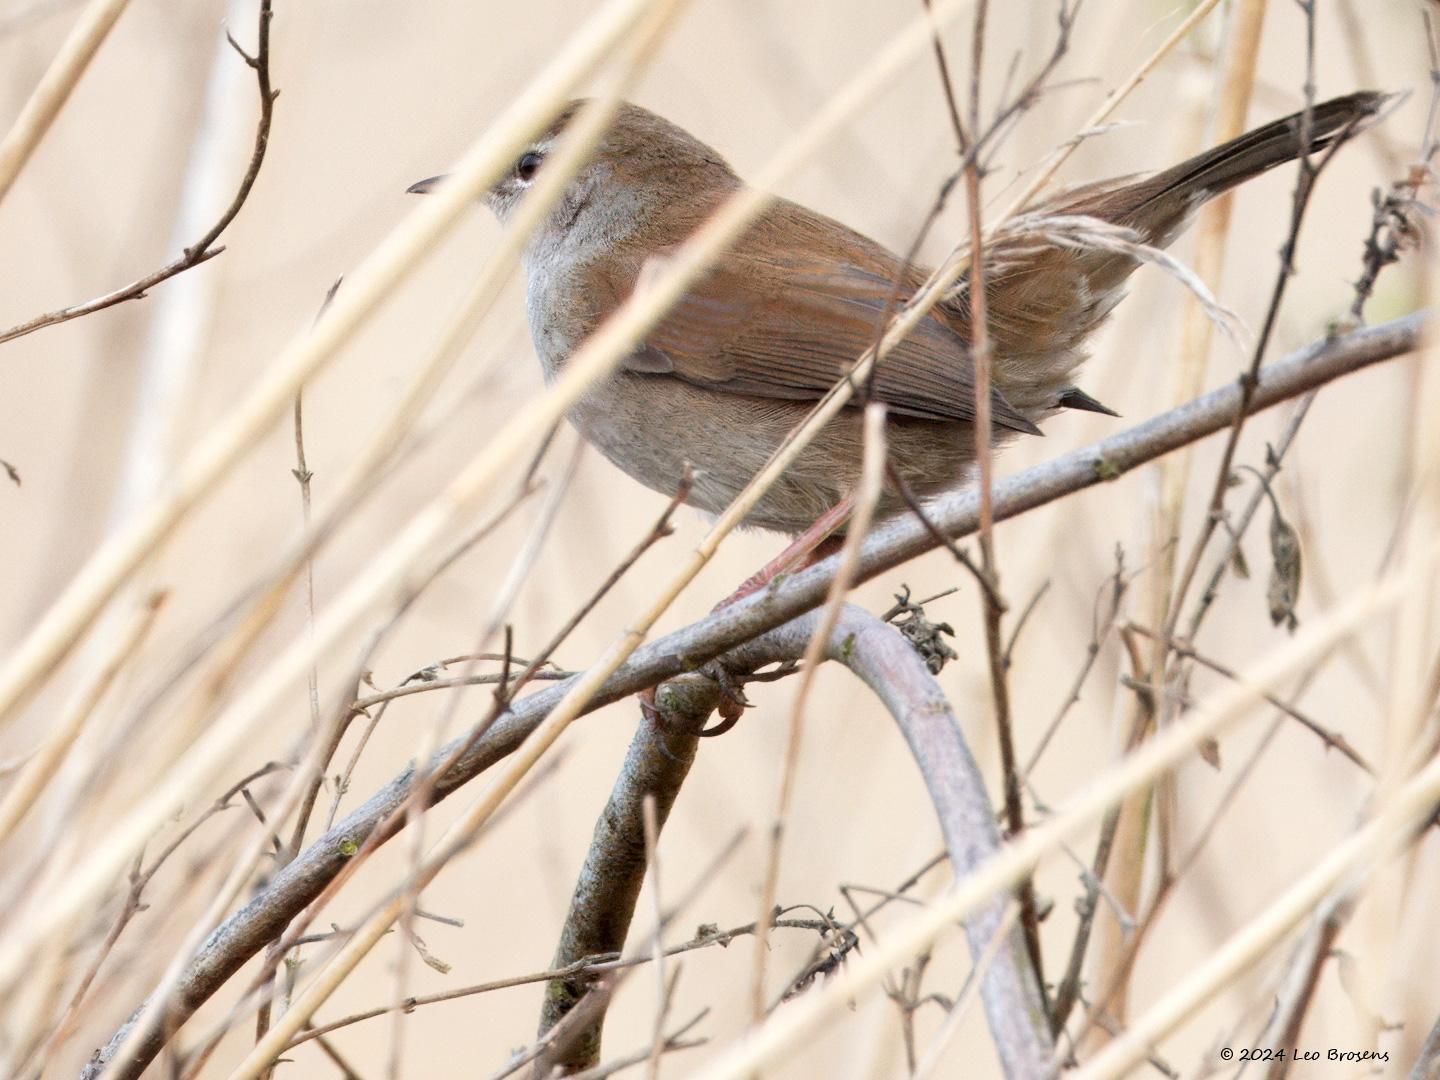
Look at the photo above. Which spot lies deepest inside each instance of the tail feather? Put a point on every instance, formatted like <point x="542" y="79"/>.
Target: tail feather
<point x="1267" y="146"/>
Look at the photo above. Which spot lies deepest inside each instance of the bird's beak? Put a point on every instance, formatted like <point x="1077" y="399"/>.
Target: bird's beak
<point x="424" y="187"/>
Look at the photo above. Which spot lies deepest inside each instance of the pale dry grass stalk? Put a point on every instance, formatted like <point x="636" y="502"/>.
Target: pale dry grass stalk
<point x="49" y="97"/>
<point x="867" y="496"/>
<point x="124" y="552"/>
<point x="1242" y="49"/>
<point x="44" y="762"/>
<point x="367" y="288"/>
<point x="787" y="1027"/>
<point x="183" y="315"/>
<point x="1392" y="829"/>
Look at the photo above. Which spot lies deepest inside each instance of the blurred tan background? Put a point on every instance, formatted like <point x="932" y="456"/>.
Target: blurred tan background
<point x="378" y="94"/>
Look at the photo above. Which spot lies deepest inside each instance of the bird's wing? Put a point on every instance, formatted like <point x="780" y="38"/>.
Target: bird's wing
<point x="791" y="327"/>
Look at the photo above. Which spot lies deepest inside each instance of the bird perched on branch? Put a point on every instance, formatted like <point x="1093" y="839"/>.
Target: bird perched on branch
<point x="789" y="308"/>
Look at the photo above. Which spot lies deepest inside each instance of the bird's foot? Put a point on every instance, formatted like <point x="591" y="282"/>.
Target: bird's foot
<point x="731" y="706"/>
<point x="733" y="701"/>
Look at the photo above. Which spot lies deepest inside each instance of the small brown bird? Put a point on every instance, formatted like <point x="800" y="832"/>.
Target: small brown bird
<point x="786" y="312"/>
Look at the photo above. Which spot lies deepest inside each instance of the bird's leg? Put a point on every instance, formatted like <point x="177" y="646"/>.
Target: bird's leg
<point x="815" y="543"/>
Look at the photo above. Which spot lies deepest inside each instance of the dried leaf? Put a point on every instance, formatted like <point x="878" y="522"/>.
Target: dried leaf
<point x="1284" y="590"/>
<point x="926" y="638"/>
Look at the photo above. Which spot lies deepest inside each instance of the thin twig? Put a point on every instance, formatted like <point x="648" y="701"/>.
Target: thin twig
<point x="1309" y="171"/>
<point x="867" y="496"/>
<point x="1332" y="739"/>
<point x="203" y="249"/>
<point x="589" y="966"/>
<point x="993" y="605"/>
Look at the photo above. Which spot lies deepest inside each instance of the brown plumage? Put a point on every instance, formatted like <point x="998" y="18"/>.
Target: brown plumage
<point x="787" y="311"/>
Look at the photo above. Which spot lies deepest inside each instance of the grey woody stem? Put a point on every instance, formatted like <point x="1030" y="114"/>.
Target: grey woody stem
<point x="658" y="760"/>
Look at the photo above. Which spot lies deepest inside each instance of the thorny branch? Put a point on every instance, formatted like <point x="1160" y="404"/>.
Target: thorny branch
<point x="587" y="967"/>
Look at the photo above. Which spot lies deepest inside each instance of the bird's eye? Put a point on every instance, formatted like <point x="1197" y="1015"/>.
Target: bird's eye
<point x="528" y="166"/>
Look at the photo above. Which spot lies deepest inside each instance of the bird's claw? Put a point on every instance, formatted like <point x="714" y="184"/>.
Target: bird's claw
<point x="733" y="701"/>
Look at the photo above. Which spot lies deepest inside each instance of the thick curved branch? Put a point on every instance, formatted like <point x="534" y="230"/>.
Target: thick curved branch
<point x="203" y="249"/>
<point x="603" y="904"/>
<point x="249" y="929"/>
<point x="897" y="675"/>
<point x="609" y="885"/>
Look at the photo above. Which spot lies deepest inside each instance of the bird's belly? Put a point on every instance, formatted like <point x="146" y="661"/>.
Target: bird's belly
<point x="653" y="427"/>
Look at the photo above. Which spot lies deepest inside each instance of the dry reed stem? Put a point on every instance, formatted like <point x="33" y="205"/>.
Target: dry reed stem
<point x="867" y="495"/>
<point x="1349" y="862"/>
<point x="1212" y="229"/>
<point x="1108" y="106"/>
<point x="49" y="97"/>
<point x="87" y="593"/>
<point x="789" y="1026"/>
<point x="41" y="768"/>
<point x="368" y="287"/>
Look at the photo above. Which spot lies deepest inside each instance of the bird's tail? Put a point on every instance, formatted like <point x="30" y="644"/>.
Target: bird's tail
<point x="1160" y="200"/>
